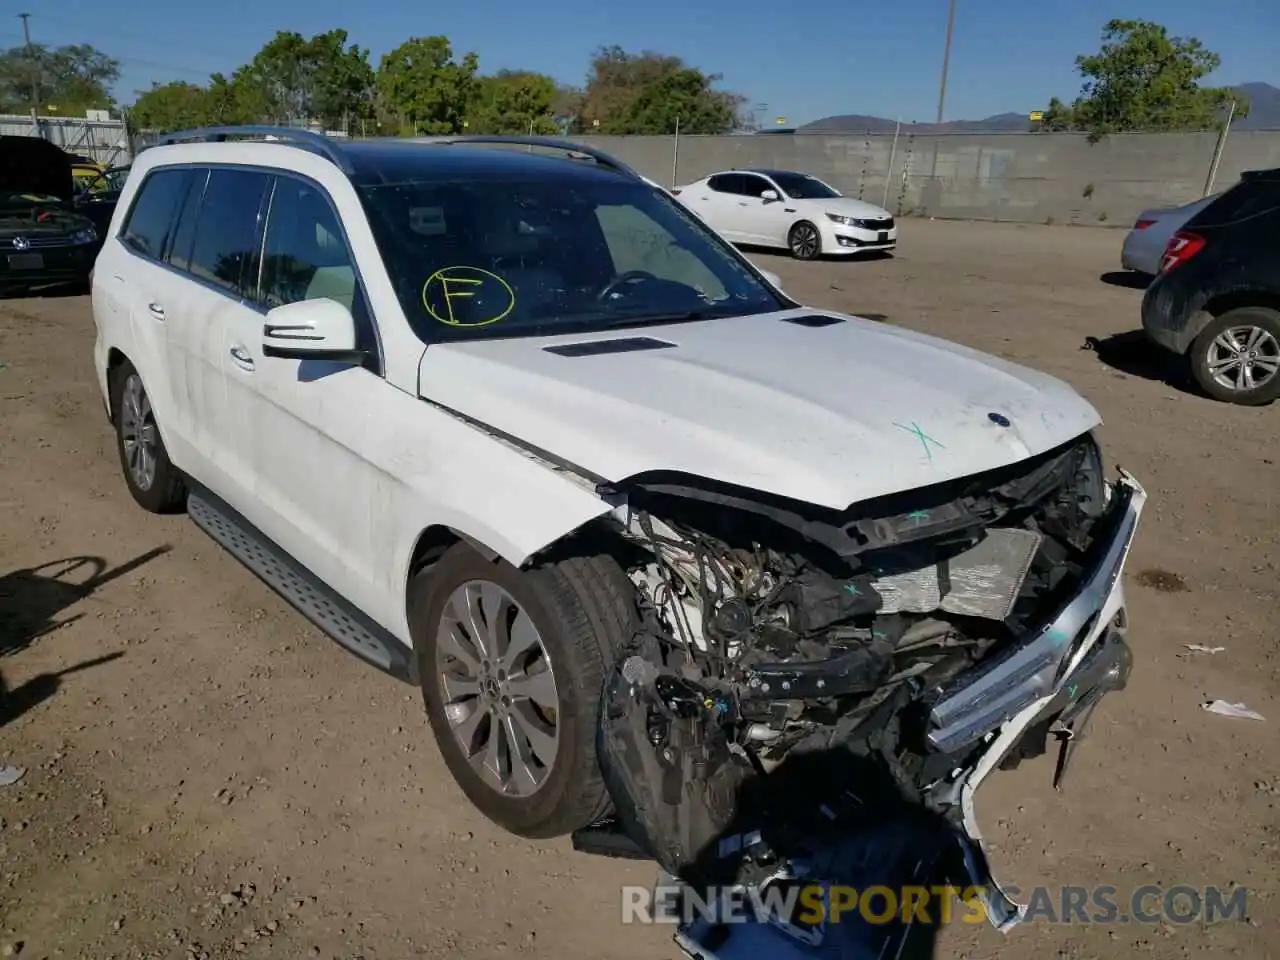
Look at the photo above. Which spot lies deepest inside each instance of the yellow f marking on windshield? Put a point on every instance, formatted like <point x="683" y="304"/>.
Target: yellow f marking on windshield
<point x="450" y="293"/>
<point x="448" y="284"/>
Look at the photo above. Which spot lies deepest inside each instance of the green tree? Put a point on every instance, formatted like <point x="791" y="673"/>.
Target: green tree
<point x="295" y="78"/>
<point x="69" y="79"/>
<point x="643" y="93"/>
<point x="1144" y="80"/>
<point x="514" y="102"/>
<point x="421" y="84"/>
<point x="171" y="106"/>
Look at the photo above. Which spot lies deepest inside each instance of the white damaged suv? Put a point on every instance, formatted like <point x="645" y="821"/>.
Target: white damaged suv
<point x="517" y="427"/>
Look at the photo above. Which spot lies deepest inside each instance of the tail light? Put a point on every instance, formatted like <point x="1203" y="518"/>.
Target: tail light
<point x="1143" y="224"/>
<point x="1181" y="248"/>
<point x="675" y="191"/>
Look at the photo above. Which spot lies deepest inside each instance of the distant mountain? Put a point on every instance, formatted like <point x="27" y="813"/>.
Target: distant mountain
<point x="1264" y="107"/>
<point x="1264" y="114"/>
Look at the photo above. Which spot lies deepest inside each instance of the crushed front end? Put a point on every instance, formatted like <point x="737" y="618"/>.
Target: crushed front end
<point x="931" y="636"/>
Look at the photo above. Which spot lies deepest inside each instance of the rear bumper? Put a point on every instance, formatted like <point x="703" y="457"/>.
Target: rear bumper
<point x="1169" y="319"/>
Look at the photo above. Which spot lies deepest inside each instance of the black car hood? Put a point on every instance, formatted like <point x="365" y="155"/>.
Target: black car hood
<point x="35" y="166"/>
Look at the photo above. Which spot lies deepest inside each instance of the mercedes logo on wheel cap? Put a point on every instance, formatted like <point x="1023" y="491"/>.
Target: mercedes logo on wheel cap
<point x="21" y="243"/>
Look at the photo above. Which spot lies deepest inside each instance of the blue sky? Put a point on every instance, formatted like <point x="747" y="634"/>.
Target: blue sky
<point x="800" y="61"/>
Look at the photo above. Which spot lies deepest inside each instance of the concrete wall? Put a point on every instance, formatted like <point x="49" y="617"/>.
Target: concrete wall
<point x="1032" y="178"/>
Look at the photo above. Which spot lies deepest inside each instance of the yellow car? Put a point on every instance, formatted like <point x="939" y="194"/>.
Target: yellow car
<point x="85" y="170"/>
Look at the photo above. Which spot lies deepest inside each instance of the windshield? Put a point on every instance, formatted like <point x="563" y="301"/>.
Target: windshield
<point x="800" y="186"/>
<point x="479" y="258"/>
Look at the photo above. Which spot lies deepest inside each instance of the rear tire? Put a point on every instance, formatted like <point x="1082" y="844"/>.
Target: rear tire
<point x="565" y="619"/>
<point x="1236" y="358"/>
<point x="804" y="241"/>
<point x="154" y="482"/>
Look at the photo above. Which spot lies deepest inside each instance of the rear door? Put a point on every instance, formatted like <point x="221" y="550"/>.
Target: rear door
<point x="718" y="202"/>
<point x="133" y="279"/>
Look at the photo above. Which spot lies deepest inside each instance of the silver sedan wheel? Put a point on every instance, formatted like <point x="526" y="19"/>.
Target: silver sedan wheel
<point x="138" y="433"/>
<point x="1243" y="358"/>
<point x="499" y="691"/>
<point x="805" y="241"/>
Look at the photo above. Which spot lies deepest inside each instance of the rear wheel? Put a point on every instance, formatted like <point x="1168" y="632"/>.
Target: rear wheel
<point x="805" y="241"/>
<point x="154" y="482"/>
<point x="1236" y="358"/>
<point x="512" y="664"/>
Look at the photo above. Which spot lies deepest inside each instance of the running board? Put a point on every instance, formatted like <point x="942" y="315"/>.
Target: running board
<point x="328" y="612"/>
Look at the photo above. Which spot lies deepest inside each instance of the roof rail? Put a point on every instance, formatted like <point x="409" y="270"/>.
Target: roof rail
<point x="551" y="143"/>
<point x="290" y="136"/>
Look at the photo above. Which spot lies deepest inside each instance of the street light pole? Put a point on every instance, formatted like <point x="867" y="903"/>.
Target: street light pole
<point x="946" y="58"/>
<point x="35" y="75"/>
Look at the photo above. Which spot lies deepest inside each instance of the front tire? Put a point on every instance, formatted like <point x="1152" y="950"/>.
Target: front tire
<point x="512" y="664"/>
<point x="804" y="241"/>
<point x="154" y="482"/>
<point x="1236" y="358"/>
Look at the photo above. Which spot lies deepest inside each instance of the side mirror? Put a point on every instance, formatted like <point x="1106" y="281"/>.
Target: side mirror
<point x="773" y="278"/>
<point x="320" y="329"/>
<point x="770" y="196"/>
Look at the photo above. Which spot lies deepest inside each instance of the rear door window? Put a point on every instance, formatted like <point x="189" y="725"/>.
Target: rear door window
<point x="1246" y="199"/>
<point x="147" y="229"/>
<point x="225" y="249"/>
<point x="184" y="233"/>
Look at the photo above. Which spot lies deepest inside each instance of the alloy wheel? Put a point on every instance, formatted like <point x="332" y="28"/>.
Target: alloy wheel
<point x="498" y="688"/>
<point x="804" y="241"/>
<point x="138" y="433"/>
<point x="1243" y="358"/>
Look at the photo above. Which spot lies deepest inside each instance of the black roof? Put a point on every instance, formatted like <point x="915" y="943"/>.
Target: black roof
<point x="390" y="161"/>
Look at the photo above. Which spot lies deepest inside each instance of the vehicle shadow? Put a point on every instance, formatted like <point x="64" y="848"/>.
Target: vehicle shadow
<point x="1129" y="279"/>
<point x="14" y="703"/>
<point x="1133" y="354"/>
<point x="32" y="598"/>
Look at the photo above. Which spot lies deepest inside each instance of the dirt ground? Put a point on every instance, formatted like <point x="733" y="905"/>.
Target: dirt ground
<point x="209" y="777"/>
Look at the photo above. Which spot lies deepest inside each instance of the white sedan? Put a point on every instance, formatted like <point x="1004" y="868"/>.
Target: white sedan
<point x="792" y="211"/>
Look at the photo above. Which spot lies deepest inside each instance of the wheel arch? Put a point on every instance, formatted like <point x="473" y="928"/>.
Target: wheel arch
<point x="1222" y="303"/>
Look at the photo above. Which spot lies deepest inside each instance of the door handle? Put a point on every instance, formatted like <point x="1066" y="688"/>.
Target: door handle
<point x="242" y="356"/>
<point x="157" y="311"/>
<point x="742" y="203"/>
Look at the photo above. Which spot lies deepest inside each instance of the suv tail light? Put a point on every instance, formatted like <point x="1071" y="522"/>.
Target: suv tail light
<point x="1182" y="246"/>
<point x="1143" y="224"/>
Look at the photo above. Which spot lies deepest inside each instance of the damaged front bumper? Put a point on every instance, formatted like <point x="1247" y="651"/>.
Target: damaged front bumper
<point x="1078" y="657"/>
<point x="1050" y="684"/>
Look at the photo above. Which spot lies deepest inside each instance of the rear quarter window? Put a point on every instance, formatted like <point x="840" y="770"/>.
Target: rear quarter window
<point x="154" y="211"/>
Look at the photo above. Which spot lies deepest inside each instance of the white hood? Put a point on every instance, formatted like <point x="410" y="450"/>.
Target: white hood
<point x="828" y="415"/>
<point x="849" y="207"/>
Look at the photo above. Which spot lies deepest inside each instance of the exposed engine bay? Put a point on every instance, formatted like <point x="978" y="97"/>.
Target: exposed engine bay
<point x="772" y="629"/>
